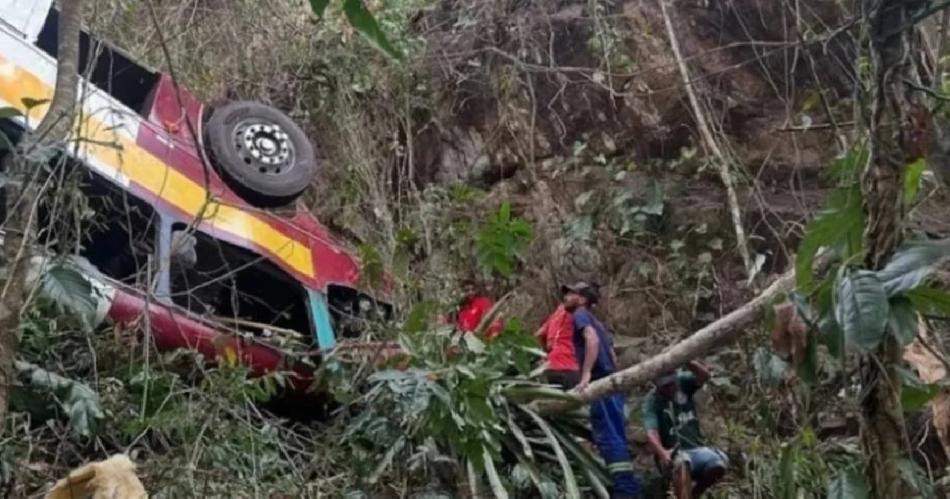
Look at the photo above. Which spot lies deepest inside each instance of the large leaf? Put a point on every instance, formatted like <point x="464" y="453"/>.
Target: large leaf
<point x="848" y="485"/>
<point x="861" y="308"/>
<point x="930" y="301"/>
<point x="840" y="226"/>
<point x="493" y="479"/>
<point x="912" y="264"/>
<point x="570" y="482"/>
<point x="915" y="393"/>
<point x="78" y="401"/>
<point x="319" y="7"/>
<point x="546" y="488"/>
<point x="769" y="368"/>
<point x="916" y="477"/>
<point x="903" y="320"/>
<point x="596" y="472"/>
<point x="70" y="290"/>
<point x="364" y="22"/>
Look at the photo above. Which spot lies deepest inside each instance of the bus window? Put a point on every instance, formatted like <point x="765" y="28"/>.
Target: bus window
<point x="239" y="287"/>
<point x="111" y="70"/>
<point x="113" y="230"/>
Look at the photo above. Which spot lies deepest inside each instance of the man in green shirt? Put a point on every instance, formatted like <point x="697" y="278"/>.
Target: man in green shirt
<point x="673" y="433"/>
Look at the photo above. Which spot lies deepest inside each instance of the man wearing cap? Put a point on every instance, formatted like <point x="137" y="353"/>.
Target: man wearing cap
<point x="673" y="433"/>
<point x="594" y="351"/>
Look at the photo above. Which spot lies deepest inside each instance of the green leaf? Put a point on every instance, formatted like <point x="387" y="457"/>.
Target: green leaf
<point x="912" y="175"/>
<point x="474" y="344"/>
<point x="930" y="301"/>
<point x="596" y="471"/>
<point x="9" y="112"/>
<point x="372" y="271"/>
<point x="571" y="490"/>
<point x="769" y="368"/>
<point x="69" y="290"/>
<point x="419" y="317"/>
<point x="78" y="401"/>
<point x="848" y="485"/>
<point x="912" y="264"/>
<point x="30" y="102"/>
<point x="386" y="461"/>
<point x="653" y="204"/>
<point x="861" y="308"/>
<point x="846" y="168"/>
<point x="832" y="336"/>
<point x="493" y="479"/>
<point x="520" y="437"/>
<point x="903" y="320"/>
<point x="525" y="394"/>
<point x="839" y="227"/>
<point x="473" y="480"/>
<point x="786" y="475"/>
<point x="366" y="24"/>
<point x="808" y="369"/>
<point x="916" y="477"/>
<point x="526" y="466"/>
<point x="319" y="7"/>
<point x="501" y="241"/>
<point x="915" y="393"/>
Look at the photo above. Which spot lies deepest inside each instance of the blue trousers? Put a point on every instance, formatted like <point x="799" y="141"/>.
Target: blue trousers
<point x="607" y="422"/>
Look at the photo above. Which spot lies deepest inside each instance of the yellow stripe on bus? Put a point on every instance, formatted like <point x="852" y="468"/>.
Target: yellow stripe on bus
<point x="132" y="161"/>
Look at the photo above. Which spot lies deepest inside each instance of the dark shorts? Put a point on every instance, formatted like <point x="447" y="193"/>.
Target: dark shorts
<point x="565" y="379"/>
<point x="702" y="459"/>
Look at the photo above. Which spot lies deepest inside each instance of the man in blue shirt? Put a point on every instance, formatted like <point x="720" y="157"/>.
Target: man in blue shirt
<point x="593" y="347"/>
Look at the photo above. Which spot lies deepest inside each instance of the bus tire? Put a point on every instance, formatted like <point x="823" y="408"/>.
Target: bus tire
<point x="260" y="152"/>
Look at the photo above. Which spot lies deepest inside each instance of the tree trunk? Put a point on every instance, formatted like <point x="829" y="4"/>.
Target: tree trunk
<point x="893" y="142"/>
<point x="20" y="202"/>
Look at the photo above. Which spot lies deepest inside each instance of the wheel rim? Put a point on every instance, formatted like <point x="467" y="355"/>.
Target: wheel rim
<point x="264" y="147"/>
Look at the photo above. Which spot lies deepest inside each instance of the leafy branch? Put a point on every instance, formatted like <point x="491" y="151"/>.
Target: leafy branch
<point x="361" y="19"/>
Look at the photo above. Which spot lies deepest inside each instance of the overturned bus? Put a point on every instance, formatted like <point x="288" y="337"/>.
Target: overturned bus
<point x="199" y="230"/>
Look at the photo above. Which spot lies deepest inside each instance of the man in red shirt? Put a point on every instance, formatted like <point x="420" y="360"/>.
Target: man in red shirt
<point x="556" y="335"/>
<point x="471" y="312"/>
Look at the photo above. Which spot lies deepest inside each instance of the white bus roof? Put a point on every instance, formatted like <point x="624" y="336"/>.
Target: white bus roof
<point x="26" y="17"/>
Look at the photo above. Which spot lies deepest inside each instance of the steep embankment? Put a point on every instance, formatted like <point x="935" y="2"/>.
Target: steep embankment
<point x="576" y="113"/>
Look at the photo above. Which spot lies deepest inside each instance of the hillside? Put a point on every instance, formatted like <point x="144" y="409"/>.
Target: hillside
<point x="576" y="115"/>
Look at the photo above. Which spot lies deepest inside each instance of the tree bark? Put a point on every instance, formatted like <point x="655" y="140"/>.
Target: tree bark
<point x="893" y="142"/>
<point x="20" y="202"/>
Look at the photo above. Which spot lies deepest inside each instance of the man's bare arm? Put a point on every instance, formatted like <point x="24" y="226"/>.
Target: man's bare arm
<point x="540" y="332"/>
<point x="655" y="443"/>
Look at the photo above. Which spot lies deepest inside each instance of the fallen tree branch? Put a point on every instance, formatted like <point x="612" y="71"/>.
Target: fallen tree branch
<point x="723" y="330"/>
<point x="711" y="146"/>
